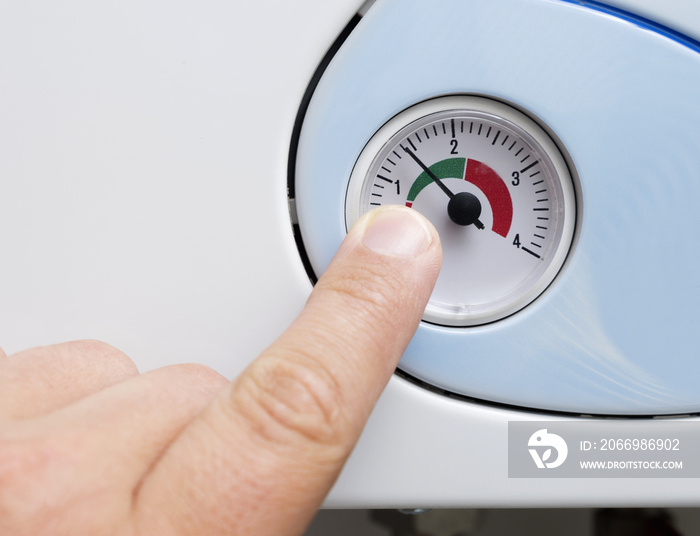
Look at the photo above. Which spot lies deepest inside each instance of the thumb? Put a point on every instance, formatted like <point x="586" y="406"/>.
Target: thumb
<point x="261" y="458"/>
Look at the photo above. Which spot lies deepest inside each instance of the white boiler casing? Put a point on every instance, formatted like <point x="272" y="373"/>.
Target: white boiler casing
<point x="173" y="176"/>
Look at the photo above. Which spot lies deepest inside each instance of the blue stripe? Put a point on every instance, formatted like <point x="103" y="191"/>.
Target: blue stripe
<point x="640" y="21"/>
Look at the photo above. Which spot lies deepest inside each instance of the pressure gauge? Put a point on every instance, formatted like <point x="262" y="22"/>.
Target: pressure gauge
<point x="496" y="187"/>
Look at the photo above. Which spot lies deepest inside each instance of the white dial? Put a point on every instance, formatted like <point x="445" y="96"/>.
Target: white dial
<point x="495" y="186"/>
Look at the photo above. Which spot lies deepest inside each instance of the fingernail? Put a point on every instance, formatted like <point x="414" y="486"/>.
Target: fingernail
<point x="397" y="231"/>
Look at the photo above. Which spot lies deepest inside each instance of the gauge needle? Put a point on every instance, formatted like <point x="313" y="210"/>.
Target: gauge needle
<point x="463" y="208"/>
<point x="430" y="173"/>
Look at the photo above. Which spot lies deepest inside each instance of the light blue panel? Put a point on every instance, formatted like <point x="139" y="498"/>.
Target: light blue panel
<point x="617" y="332"/>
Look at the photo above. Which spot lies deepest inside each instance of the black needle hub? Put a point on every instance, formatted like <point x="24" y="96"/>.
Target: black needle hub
<point x="464" y="209"/>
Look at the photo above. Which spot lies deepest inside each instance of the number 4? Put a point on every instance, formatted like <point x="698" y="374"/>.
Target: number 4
<point x="516" y="241"/>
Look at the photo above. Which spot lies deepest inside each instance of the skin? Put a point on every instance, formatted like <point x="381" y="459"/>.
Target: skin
<point x="90" y="446"/>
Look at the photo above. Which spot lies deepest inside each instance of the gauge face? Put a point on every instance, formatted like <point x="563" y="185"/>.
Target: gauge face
<point x="495" y="186"/>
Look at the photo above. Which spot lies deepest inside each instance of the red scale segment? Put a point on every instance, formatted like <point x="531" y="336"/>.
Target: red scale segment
<point x="496" y="191"/>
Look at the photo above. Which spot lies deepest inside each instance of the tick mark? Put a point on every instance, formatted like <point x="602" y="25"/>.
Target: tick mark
<point x="531" y="253"/>
<point x="533" y="164"/>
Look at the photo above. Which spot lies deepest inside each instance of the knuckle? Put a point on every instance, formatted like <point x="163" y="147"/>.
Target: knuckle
<point x="112" y="359"/>
<point x="293" y="397"/>
<point x="200" y="383"/>
<point x="201" y="375"/>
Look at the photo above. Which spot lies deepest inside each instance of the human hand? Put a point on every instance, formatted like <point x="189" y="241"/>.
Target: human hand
<point x="90" y="447"/>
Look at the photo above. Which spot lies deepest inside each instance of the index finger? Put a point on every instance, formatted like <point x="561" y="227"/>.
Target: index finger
<point x="261" y="458"/>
